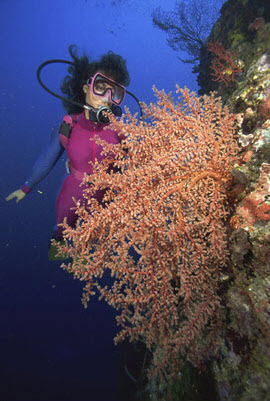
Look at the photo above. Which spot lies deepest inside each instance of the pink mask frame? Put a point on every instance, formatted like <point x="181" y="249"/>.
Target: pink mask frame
<point x="114" y="92"/>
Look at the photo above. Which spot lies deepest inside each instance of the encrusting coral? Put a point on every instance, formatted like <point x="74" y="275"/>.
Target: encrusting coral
<point x="161" y="231"/>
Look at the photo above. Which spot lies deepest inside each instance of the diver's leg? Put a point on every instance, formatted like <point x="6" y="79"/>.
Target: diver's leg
<point x="65" y="208"/>
<point x="65" y="205"/>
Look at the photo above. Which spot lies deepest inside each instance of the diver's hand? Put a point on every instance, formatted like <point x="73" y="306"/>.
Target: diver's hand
<point x="18" y="194"/>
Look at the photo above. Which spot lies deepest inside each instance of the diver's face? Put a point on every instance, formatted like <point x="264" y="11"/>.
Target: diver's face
<point x="94" y="100"/>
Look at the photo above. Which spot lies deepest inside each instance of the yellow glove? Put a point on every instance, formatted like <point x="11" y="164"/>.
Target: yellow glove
<point x="18" y="194"/>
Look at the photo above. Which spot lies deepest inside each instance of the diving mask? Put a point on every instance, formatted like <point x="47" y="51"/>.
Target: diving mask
<point x="105" y="87"/>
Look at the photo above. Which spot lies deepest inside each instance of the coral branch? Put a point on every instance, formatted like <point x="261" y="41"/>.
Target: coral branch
<point x="224" y="65"/>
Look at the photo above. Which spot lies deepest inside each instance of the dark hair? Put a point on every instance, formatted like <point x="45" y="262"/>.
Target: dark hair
<point x="72" y="85"/>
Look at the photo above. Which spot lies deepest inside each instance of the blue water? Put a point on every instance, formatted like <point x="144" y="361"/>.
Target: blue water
<point x="52" y="349"/>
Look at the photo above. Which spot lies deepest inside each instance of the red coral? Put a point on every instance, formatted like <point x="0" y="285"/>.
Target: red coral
<point x="264" y="109"/>
<point x="246" y="156"/>
<point x="256" y="208"/>
<point x="224" y="65"/>
<point x="235" y="222"/>
<point x="257" y="24"/>
<point x="262" y="212"/>
<point x="169" y="205"/>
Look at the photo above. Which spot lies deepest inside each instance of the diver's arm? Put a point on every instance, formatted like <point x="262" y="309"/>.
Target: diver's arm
<point x="45" y="162"/>
<point x="41" y="168"/>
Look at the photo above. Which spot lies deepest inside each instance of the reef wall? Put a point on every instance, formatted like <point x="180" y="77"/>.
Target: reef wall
<point x="238" y="68"/>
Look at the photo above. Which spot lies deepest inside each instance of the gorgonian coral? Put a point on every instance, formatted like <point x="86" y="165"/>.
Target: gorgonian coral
<point x="167" y="204"/>
<point x="225" y="65"/>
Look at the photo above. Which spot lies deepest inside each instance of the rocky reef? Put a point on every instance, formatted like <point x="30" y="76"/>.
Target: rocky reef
<point x="243" y="370"/>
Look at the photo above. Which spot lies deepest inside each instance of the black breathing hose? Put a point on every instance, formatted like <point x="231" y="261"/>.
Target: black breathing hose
<point x="42" y="65"/>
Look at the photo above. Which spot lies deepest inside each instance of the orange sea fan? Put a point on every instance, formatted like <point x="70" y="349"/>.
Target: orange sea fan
<point x="167" y="203"/>
<point x="224" y="66"/>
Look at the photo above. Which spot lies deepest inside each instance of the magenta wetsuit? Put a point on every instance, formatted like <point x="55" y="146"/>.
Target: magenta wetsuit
<point x="74" y="137"/>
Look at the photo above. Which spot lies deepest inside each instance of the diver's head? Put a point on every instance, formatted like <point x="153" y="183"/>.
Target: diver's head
<point x="102" y="91"/>
<point x="77" y="85"/>
<point x="95" y="87"/>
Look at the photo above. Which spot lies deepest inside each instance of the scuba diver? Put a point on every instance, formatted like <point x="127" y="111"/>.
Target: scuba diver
<point x="91" y="88"/>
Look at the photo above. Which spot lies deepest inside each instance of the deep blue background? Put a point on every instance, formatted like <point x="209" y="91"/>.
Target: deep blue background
<point x="51" y="347"/>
